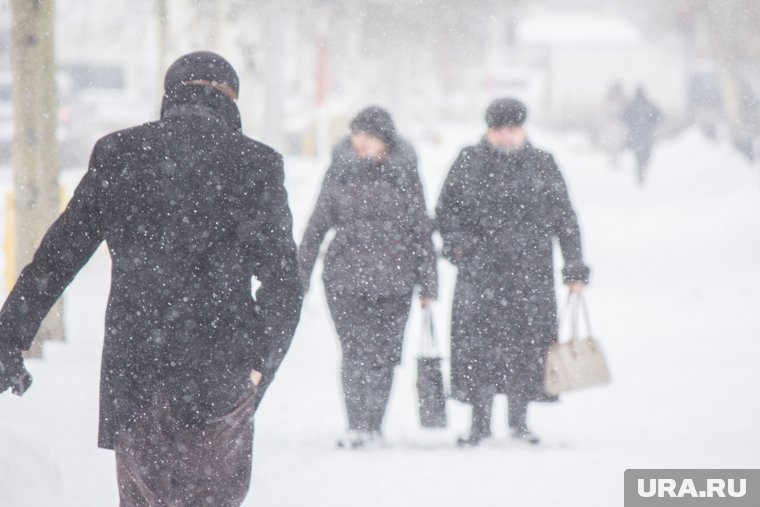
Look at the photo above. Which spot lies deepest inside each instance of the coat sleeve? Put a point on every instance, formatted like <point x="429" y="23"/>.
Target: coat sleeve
<point x="66" y="246"/>
<point x="453" y="218"/>
<point x="564" y="224"/>
<point x="422" y="227"/>
<point x="278" y="299"/>
<point x="320" y="222"/>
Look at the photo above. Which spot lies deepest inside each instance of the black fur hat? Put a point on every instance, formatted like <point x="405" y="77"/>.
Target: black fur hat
<point x="506" y="112"/>
<point x="203" y="65"/>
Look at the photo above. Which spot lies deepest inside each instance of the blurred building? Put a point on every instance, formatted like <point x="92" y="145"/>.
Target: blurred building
<point x="581" y="53"/>
<point x="306" y="67"/>
<point x="106" y="73"/>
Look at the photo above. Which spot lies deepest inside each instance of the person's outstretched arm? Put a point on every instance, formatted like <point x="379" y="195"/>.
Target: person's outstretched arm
<point x="65" y="248"/>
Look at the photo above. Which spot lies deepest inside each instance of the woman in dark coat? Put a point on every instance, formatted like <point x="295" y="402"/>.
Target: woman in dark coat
<point x="372" y="197"/>
<point x="501" y="206"/>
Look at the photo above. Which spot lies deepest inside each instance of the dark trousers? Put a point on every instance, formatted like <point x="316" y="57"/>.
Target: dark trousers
<point x="518" y="413"/>
<point x="371" y="334"/>
<point x="481" y="414"/>
<point x="160" y="462"/>
<point x="642" y="155"/>
<point x="366" y="390"/>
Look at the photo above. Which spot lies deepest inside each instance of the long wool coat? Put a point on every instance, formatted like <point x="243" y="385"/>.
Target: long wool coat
<point x="190" y="209"/>
<point x="498" y="214"/>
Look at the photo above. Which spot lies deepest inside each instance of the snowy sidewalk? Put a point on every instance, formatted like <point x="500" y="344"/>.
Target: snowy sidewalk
<point x="674" y="298"/>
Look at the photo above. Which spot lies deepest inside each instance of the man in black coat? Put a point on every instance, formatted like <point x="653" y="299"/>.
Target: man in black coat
<point x="191" y="210"/>
<point x="501" y="207"/>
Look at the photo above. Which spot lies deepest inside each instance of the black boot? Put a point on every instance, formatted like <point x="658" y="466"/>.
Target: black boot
<point x="518" y="416"/>
<point x="523" y="433"/>
<point x="472" y="441"/>
<point x="481" y="424"/>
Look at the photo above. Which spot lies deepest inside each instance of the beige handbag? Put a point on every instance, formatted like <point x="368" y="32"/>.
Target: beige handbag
<point x="577" y="363"/>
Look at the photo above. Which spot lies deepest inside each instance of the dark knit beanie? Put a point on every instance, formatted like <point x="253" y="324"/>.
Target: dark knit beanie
<point x="377" y="122"/>
<point x="506" y="112"/>
<point x="203" y="65"/>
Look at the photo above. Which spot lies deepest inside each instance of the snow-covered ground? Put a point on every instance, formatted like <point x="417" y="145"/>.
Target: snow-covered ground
<point x="674" y="299"/>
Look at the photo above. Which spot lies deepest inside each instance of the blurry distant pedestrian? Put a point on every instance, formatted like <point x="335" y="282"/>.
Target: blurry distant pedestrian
<point x="705" y="103"/>
<point x="501" y="207"/>
<point x="641" y="117"/>
<point x="372" y="197"/>
<point x="611" y="132"/>
<point x="746" y="135"/>
<point x="191" y="210"/>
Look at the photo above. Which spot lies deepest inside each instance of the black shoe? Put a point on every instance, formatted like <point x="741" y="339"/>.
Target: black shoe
<point x="471" y="441"/>
<point x="474" y="439"/>
<point x="355" y="439"/>
<point x="524" y="434"/>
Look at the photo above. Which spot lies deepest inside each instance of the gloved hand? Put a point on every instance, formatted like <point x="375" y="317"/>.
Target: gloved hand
<point x="13" y="374"/>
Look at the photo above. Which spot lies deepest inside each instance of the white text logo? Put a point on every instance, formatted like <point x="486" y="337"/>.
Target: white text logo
<point x="715" y="488"/>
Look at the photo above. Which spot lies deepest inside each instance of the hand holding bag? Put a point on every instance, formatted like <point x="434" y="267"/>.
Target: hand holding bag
<point x="577" y="363"/>
<point x="430" y="388"/>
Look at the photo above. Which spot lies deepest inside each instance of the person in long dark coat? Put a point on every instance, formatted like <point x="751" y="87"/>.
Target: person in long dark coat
<point x="502" y="205"/>
<point x="191" y="210"/>
<point x="372" y="197"/>
<point x="641" y="117"/>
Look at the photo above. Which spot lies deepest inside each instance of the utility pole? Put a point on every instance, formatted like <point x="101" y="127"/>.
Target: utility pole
<point x="35" y="154"/>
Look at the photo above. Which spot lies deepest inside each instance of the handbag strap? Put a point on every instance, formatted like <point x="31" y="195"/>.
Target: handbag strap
<point x="429" y="342"/>
<point x="576" y="304"/>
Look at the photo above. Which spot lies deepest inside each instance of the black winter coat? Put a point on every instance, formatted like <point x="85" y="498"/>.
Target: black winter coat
<point x="383" y="244"/>
<point x="191" y="209"/>
<point x="498" y="214"/>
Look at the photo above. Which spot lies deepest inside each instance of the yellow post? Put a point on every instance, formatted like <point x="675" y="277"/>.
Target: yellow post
<point x="9" y="244"/>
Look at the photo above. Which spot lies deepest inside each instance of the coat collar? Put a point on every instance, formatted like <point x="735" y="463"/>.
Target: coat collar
<point x="493" y="151"/>
<point x="202" y="101"/>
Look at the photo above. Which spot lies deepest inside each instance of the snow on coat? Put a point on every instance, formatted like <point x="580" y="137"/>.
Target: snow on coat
<point x="190" y="209"/>
<point x="382" y="244"/>
<point x="498" y="214"/>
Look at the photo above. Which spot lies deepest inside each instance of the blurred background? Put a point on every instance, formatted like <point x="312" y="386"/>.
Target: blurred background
<point x="306" y="67"/>
<point x="674" y="293"/>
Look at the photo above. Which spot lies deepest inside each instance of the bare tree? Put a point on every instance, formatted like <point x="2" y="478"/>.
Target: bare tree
<point x="35" y="163"/>
<point x="733" y="32"/>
